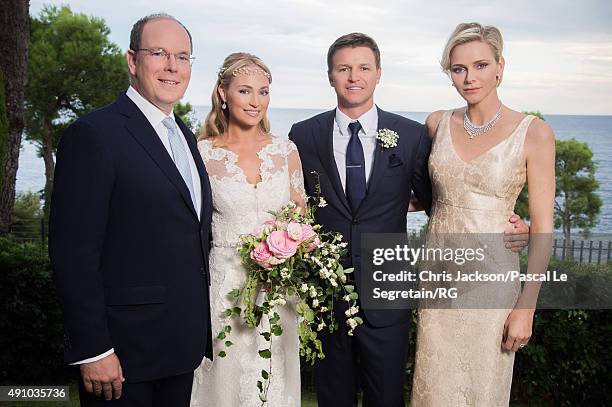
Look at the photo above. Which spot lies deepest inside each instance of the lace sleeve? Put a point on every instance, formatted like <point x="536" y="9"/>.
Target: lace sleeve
<point x="296" y="188"/>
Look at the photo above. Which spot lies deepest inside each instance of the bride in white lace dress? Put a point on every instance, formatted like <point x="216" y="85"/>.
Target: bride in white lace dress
<point x="251" y="172"/>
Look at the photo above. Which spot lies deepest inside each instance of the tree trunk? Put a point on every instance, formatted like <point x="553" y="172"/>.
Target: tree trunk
<point x="14" y="39"/>
<point x="47" y="153"/>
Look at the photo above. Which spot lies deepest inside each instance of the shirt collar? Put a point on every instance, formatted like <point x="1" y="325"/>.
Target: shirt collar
<point x="151" y="112"/>
<point x="368" y="121"/>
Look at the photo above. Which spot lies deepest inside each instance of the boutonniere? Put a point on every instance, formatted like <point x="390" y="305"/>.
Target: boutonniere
<point x="388" y="138"/>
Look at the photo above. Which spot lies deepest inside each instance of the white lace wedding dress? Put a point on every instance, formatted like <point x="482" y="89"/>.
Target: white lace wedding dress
<point x="239" y="207"/>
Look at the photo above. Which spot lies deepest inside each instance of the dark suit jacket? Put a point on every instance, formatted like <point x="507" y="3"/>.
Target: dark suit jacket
<point x="395" y="172"/>
<point x="130" y="256"/>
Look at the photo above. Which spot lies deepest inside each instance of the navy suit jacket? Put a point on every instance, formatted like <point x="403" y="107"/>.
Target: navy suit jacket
<point x="129" y="254"/>
<point x="395" y="173"/>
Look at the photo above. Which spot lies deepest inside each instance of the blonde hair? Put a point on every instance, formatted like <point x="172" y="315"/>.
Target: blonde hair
<point x="217" y="120"/>
<point x="468" y="32"/>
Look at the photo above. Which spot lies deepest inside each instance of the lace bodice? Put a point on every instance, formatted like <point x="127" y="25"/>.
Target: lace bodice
<point x="240" y="206"/>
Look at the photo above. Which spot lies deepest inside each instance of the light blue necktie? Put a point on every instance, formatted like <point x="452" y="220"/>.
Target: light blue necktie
<point x="180" y="155"/>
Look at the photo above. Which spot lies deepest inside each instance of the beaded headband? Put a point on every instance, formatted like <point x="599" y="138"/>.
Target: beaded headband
<point x="245" y="70"/>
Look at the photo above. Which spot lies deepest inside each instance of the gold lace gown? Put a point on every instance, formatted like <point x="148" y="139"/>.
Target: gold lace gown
<point x="459" y="359"/>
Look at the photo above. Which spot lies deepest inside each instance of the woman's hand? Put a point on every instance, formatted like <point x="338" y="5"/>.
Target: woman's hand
<point x="517" y="329"/>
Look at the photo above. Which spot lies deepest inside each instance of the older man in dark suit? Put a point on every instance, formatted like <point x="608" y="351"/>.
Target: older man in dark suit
<point x="129" y="233"/>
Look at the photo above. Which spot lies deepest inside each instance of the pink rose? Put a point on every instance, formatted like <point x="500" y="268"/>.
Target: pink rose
<point x="294" y="230"/>
<point x="281" y="245"/>
<point x="261" y="255"/>
<point x="308" y="232"/>
<point x="313" y="244"/>
<point x="310" y="236"/>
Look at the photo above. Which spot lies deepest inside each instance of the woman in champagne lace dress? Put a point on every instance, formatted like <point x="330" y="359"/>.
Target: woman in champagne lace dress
<point x="481" y="157"/>
<point x="251" y="172"/>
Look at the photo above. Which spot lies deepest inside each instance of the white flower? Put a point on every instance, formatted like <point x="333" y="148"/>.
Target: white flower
<point x="315" y="303"/>
<point x="343" y="278"/>
<point x="304" y="287"/>
<point x="322" y="203"/>
<point x="284" y="273"/>
<point x="333" y="283"/>
<point x="321" y="326"/>
<point x="351" y="323"/>
<point x="324" y="309"/>
<point x="276" y="261"/>
<point x="347" y="299"/>
<point x="351" y="311"/>
<point x="388" y="138"/>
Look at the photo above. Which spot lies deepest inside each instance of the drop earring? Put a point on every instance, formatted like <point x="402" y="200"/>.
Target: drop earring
<point x="223" y="106"/>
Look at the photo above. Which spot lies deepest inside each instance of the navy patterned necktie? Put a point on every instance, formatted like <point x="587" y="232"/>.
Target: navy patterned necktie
<point x="355" y="168"/>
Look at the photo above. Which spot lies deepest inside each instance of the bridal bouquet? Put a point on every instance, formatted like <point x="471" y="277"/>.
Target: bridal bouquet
<point x="290" y="256"/>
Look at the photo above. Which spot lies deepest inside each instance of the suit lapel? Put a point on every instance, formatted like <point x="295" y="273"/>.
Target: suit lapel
<point x="206" y="199"/>
<point x="140" y="128"/>
<point x="325" y="149"/>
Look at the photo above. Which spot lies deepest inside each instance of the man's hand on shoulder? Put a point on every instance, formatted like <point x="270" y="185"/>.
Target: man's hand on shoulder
<point x="516" y="234"/>
<point x="103" y="376"/>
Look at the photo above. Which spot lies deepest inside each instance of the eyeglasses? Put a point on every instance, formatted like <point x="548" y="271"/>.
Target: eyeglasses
<point x="161" y="54"/>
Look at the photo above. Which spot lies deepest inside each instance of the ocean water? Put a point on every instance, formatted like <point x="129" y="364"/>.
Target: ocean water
<point x="596" y="131"/>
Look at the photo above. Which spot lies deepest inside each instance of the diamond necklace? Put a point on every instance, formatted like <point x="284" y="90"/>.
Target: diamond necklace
<point x="474" y="130"/>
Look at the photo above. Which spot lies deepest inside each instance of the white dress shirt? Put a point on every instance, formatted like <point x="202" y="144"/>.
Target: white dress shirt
<point x="156" y="117"/>
<point x="367" y="136"/>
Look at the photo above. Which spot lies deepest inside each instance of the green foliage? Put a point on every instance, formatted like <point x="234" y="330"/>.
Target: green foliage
<point x="186" y="113"/>
<point x="27" y="215"/>
<point x="536" y="113"/>
<point x="568" y="361"/>
<point x="4" y="127"/>
<point x="577" y="203"/>
<point x="31" y="334"/>
<point x="73" y="69"/>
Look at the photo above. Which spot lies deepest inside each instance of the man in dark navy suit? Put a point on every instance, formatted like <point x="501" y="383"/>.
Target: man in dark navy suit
<point x="129" y="233"/>
<point x="368" y="189"/>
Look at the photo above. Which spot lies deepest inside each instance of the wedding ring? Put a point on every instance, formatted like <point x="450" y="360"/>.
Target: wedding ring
<point x="522" y="345"/>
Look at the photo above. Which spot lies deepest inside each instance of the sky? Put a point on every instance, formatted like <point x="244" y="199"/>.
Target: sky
<point x="558" y="53"/>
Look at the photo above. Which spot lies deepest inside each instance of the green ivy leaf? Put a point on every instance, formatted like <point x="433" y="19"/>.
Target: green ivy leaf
<point x="265" y="353"/>
<point x="277" y="330"/>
